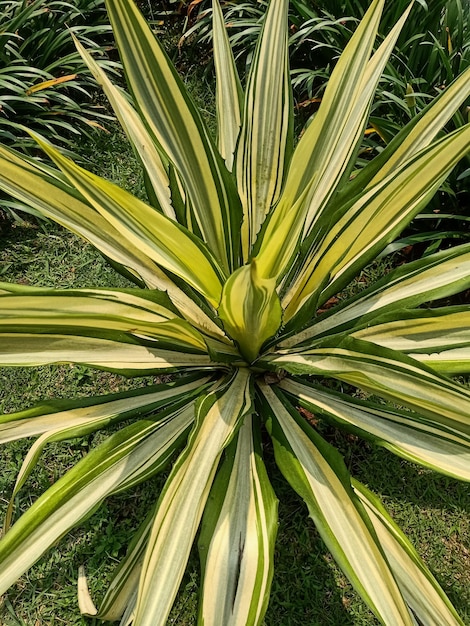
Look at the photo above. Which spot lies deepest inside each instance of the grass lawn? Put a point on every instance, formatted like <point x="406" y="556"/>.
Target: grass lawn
<point x="308" y="588"/>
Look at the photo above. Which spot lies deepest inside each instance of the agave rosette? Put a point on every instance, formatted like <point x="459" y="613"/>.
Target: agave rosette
<point x="240" y="245"/>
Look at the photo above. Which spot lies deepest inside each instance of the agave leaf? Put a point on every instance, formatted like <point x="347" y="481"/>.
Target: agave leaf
<point x="420" y="131"/>
<point x="182" y="501"/>
<point x="250" y="309"/>
<point x="430" y="122"/>
<point x="178" y="127"/>
<point x="385" y="210"/>
<point x="80" y="421"/>
<point x="236" y="542"/>
<point x="420" y="589"/>
<point x="316" y="471"/>
<point x="265" y="144"/>
<point x="438" y="276"/>
<point x="438" y="337"/>
<point x="137" y="133"/>
<point x="36" y="186"/>
<point x="42" y="191"/>
<point x="437" y="445"/>
<point x="341" y="163"/>
<point x="163" y="240"/>
<point x="384" y="372"/>
<point x="29" y="349"/>
<point x="328" y="144"/>
<point x="131" y="454"/>
<point x="229" y="93"/>
<point x="85" y="415"/>
<point x="98" y="314"/>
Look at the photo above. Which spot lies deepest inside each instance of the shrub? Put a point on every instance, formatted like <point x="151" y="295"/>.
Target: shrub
<point x="237" y="258"/>
<point x="42" y="80"/>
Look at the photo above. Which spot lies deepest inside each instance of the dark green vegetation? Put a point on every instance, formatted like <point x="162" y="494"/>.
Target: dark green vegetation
<point x="43" y="82"/>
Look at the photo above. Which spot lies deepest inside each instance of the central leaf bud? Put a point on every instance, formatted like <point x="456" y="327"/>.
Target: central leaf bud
<point x="250" y="309"/>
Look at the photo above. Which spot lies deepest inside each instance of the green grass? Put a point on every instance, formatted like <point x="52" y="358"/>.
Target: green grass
<point x="308" y="589"/>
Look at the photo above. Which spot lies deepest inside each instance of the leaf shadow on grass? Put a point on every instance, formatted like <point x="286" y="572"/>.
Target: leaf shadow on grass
<point x="308" y="589"/>
<point x="432" y="510"/>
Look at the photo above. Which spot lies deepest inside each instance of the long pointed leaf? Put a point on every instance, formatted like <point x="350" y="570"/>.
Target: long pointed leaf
<point x="316" y="471"/>
<point x="229" y="94"/>
<point x="385" y="210"/>
<point x="183" y="499"/>
<point x="438" y="337"/>
<point x="98" y="315"/>
<point x="236" y="543"/>
<point x="265" y="140"/>
<point x="137" y="133"/>
<point x="37" y="187"/>
<point x="415" y="136"/>
<point x="176" y="124"/>
<point x="386" y="373"/>
<point x="86" y="415"/>
<point x="128" y="455"/>
<point x="80" y="421"/>
<point x="437" y="276"/>
<point x="22" y="349"/>
<point x="436" y="445"/>
<point x="162" y="239"/>
<point x="419" y="587"/>
<point x="328" y="143"/>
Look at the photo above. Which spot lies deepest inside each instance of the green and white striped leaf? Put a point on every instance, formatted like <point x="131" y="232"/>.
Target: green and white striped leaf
<point x="373" y="221"/>
<point x="183" y="499"/>
<point x="37" y="188"/>
<point x="98" y="410"/>
<point x="420" y="131"/>
<point x="250" y="309"/>
<point x="30" y="349"/>
<point x="341" y="160"/>
<point x="438" y="276"/>
<point x="44" y="193"/>
<point x="177" y="126"/>
<point x="386" y="373"/>
<point x="79" y="421"/>
<point x="229" y="94"/>
<point x="136" y="132"/>
<point x="104" y="314"/>
<point x="436" y="445"/>
<point x="329" y="143"/>
<point x="265" y="143"/>
<point x="124" y="458"/>
<point x="428" y="125"/>
<point x="86" y="415"/>
<point x="317" y="472"/>
<point x="420" y="589"/>
<point x="438" y="337"/>
<point x="163" y="240"/>
<point x="238" y="532"/>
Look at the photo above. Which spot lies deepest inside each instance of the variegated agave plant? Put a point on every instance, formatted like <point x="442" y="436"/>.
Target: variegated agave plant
<point x="241" y="244"/>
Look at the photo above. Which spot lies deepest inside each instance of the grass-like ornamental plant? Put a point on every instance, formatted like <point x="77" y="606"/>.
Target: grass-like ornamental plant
<point x="236" y="258"/>
<point x="42" y="80"/>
